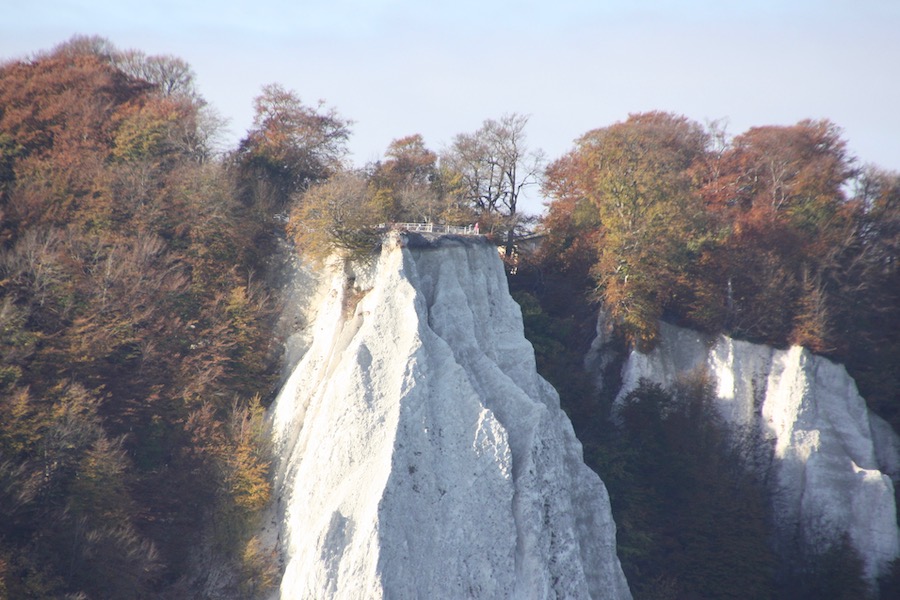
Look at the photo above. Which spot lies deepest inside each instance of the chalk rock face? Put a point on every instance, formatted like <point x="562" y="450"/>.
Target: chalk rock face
<point x="420" y="454"/>
<point x="828" y="457"/>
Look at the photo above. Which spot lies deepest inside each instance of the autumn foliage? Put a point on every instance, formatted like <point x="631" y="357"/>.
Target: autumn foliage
<point x="775" y="235"/>
<point x="136" y="305"/>
<point x="134" y="335"/>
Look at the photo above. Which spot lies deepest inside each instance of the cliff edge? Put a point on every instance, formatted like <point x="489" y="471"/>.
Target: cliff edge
<point x="420" y="455"/>
<point x="828" y="461"/>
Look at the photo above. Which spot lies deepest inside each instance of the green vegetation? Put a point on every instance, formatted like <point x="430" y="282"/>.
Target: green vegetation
<point x="137" y="309"/>
<point x="692" y="522"/>
<point x="337" y="216"/>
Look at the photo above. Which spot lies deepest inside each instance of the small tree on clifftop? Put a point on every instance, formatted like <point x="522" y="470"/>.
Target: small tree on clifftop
<point x="494" y="166"/>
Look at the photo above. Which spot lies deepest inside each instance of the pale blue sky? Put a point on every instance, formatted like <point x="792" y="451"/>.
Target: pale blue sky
<point x="397" y="67"/>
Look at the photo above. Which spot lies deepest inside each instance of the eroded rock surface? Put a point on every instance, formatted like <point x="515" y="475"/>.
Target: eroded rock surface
<point x="421" y="455"/>
<point x="828" y="460"/>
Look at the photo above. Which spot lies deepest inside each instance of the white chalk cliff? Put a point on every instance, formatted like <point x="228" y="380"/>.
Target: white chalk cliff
<point x="827" y="458"/>
<point x="420" y="455"/>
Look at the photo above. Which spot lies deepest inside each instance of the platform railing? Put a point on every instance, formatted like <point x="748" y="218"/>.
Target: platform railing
<point x="437" y="228"/>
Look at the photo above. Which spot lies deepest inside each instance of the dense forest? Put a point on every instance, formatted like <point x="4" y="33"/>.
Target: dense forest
<point x="135" y="338"/>
<point x="776" y="236"/>
<point x="139" y="292"/>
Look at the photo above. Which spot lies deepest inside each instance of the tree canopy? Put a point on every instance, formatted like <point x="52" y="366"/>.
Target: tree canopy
<point x="290" y="146"/>
<point x="138" y="294"/>
<point x="636" y="175"/>
<point x="775" y="235"/>
<point x="134" y="337"/>
<point x="492" y="167"/>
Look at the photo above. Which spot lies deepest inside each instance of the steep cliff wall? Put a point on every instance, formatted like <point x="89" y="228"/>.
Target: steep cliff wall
<point x="421" y="456"/>
<point x="826" y="457"/>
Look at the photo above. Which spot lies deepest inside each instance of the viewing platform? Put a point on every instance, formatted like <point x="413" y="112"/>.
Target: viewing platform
<point x="435" y="228"/>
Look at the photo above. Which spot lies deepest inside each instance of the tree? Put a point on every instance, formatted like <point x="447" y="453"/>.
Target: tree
<point x="59" y="115"/>
<point x="572" y="223"/>
<point x="795" y="169"/>
<point x="862" y="282"/>
<point x="637" y="175"/>
<point x="494" y="166"/>
<point x="835" y="572"/>
<point x="778" y="197"/>
<point x="290" y="146"/>
<point x="94" y="45"/>
<point x="408" y="183"/>
<point x="127" y="299"/>
<point x="693" y="516"/>
<point x="172" y="76"/>
<point x="336" y="215"/>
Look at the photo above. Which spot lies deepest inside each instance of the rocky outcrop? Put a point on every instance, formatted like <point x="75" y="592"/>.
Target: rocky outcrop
<point x="826" y="457"/>
<point x="420" y="455"/>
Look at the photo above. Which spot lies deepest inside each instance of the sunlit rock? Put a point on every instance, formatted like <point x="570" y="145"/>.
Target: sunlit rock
<point x="826" y="457"/>
<point x="419" y="453"/>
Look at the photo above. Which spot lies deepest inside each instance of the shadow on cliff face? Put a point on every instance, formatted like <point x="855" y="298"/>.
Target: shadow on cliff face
<point x="693" y="520"/>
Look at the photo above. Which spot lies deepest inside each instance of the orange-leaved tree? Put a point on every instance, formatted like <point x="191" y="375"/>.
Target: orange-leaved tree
<point x="290" y="146"/>
<point x="127" y="300"/>
<point x="636" y="174"/>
